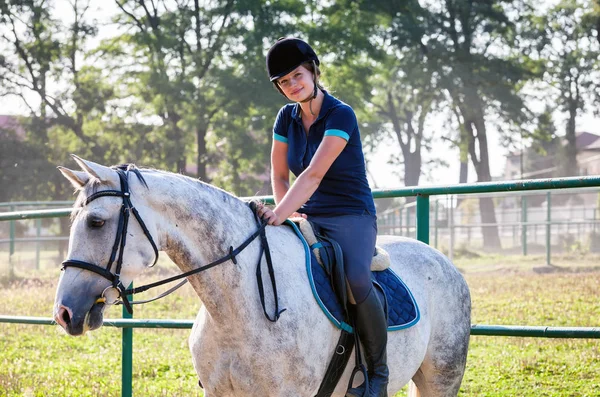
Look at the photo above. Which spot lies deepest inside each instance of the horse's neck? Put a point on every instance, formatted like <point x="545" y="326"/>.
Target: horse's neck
<point x="198" y="225"/>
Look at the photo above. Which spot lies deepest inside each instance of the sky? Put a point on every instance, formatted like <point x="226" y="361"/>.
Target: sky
<point x="382" y="174"/>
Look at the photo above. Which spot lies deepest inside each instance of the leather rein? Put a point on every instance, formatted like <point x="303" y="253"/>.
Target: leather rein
<point x="119" y="246"/>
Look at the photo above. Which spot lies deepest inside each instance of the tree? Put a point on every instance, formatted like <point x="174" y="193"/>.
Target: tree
<point x="184" y="57"/>
<point x="469" y="47"/>
<point x="407" y="96"/>
<point x="571" y="59"/>
<point x="41" y="65"/>
<point x="40" y="61"/>
<point x="387" y="84"/>
<point x="471" y="35"/>
<point x="596" y="19"/>
<point x="545" y="151"/>
<point x="23" y="165"/>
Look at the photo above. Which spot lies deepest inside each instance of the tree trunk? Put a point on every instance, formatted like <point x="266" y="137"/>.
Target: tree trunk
<point x="598" y="20"/>
<point x="412" y="168"/>
<point x="463" y="176"/>
<point x="412" y="171"/>
<point x="475" y="122"/>
<point x="202" y="155"/>
<point x="571" y="168"/>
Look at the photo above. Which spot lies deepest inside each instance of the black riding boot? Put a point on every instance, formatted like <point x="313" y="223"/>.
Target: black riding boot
<point x="371" y="324"/>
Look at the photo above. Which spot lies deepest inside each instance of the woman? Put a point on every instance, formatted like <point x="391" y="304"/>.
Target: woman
<point x="317" y="138"/>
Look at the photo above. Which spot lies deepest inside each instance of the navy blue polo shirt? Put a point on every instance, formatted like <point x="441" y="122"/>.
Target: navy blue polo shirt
<point x="344" y="188"/>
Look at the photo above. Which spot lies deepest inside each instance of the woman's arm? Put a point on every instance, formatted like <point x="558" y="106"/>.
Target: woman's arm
<point x="307" y="183"/>
<point x="280" y="172"/>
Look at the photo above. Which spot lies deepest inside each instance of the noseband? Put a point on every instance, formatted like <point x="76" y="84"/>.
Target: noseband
<point x="119" y="246"/>
<point x="120" y="240"/>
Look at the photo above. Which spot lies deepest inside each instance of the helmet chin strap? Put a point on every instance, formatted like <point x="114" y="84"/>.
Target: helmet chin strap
<point x="310" y="100"/>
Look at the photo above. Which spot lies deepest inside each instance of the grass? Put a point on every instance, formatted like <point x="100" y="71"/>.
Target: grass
<point x="508" y="366"/>
<point x="43" y="361"/>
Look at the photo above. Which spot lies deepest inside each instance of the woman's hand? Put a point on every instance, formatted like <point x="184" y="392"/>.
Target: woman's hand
<point x="269" y="215"/>
<point x="272" y="217"/>
<point x="298" y="215"/>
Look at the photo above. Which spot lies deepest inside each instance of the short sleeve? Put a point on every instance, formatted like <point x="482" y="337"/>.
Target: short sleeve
<point x="341" y="122"/>
<point x="280" y="130"/>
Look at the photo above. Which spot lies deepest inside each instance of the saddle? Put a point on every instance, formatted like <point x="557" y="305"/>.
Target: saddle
<point x="381" y="259"/>
<point x="329" y="256"/>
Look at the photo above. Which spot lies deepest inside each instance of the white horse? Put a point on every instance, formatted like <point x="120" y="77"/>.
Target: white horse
<point x="235" y="350"/>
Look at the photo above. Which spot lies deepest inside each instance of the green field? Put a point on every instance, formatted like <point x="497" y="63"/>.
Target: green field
<point x="511" y="290"/>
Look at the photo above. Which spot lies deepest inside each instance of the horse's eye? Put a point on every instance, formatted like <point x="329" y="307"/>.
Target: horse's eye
<point x="95" y="222"/>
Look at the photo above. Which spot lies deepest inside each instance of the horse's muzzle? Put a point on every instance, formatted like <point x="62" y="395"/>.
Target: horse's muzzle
<point x="75" y="324"/>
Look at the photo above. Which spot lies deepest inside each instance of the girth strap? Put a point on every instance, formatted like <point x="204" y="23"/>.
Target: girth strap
<point x="339" y="360"/>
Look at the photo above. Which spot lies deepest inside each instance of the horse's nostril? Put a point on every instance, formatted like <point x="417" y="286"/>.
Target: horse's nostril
<point x="65" y="317"/>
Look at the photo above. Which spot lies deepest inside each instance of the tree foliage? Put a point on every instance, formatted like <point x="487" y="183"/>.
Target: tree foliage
<point x="571" y="65"/>
<point x="181" y="84"/>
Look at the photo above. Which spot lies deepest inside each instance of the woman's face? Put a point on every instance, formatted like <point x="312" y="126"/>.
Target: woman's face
<point x="298" y="84"/>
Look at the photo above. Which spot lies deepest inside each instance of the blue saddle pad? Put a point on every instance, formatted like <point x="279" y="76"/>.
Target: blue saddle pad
<point x="403" y="311"/>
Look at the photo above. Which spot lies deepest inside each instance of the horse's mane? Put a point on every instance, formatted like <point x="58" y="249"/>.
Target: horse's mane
<point x="93" y="184"/>
<point x="134" y="169"/>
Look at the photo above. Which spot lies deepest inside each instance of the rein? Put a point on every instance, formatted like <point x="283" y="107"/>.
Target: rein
<point x="119" y="247"/>
<point x="231" y="256"/>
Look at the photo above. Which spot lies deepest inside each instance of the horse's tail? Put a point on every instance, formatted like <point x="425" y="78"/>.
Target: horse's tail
<point x="412" y="390"/>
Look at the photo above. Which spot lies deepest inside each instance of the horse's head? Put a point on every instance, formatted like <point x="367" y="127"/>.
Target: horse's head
<point x="97" y="262"/>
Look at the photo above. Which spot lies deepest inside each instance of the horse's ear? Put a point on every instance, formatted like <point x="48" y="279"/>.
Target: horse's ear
<point x="101" y="172"/>
<point x="77" y="178"/>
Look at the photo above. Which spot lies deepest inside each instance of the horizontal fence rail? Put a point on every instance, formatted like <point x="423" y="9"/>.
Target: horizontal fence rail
<point x="476" y="329"/>
<point x="466" y="188"/>
<point x="35" y="214"/>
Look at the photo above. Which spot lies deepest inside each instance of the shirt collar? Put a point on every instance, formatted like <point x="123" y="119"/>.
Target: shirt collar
<point x="328" y="102"/>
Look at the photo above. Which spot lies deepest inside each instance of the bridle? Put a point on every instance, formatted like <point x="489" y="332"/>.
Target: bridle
<point x="120" y="240"/>
<point x="119" y="247"/>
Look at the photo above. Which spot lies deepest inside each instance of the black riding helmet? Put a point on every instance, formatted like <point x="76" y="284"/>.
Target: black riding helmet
<point x="286" y="55"/>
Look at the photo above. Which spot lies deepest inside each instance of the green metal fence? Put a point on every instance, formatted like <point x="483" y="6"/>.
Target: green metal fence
<point x="12" y="208"/>
<point x="422" y="214"/>
<point x="520" y="217"/>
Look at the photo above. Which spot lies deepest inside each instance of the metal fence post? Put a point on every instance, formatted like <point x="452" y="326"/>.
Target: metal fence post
<point x="11" y="249"/>
<point x="435" y="224"/>
<point x="38" y="233"/>
<point x="451" y="227"/>
<point x="524" y="224"/>
<point x="423" y="218"/>
<point x="548" y="229"/>
<point x="127" y="356"/>
<point x="400" y="233"/>
<point x="407" y="221"/>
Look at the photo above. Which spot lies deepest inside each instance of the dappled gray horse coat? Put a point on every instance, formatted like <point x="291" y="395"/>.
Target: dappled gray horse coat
<point x="236" y="351"/>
